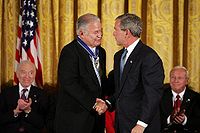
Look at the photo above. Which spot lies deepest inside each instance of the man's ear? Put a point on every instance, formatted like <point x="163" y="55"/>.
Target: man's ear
<point x="81" y="33"/>
<point x="127" y="31"/>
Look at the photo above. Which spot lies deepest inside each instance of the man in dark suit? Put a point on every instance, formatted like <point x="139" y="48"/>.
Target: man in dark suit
<point x="81" y="76"/>
<point x="23" y="107"/>
<point x="185" y="117"/>
<point x="139" y="76"/>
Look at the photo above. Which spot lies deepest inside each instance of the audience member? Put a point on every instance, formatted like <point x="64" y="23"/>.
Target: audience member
<point x="23" y="107"/>
<point x="180" y="105"/>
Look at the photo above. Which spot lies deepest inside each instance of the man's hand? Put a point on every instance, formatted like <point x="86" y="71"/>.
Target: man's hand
<point x="101" y="106"/>
<point x="27" y="108"/>
<point x="16" y="111"/>
<point x="23" y="105"/>
<point x="137" y="129"/>
<point x="178" y="117"/>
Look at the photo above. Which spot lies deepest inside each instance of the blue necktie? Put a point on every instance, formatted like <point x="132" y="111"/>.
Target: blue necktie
<point x="123" y="61"/>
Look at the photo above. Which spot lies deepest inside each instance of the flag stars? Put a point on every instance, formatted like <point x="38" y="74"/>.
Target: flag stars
<point x="31" y="24"/>
<point x="27" y="22"/>
<point x="26" y="33"/>
<point x="32" y="14"/>
<point x="24" y="3"/>
<point x="29" y="3"/>
<point x="31" y="33"/>
<point x="22" y="22"/>
<point x="25" y="42"/>
<point x="27" y="14"/>
<point x="34" y="7"/>
<point x="23" y="13"/>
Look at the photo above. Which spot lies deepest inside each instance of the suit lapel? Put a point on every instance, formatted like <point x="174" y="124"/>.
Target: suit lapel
<point x="117" y="68"/>
<point x="16" y="93"/>
<point x="130" y="63"/>
<point x="186" y="99"/>
<point x="88" y="62"/>
<point x="31" y="93"/>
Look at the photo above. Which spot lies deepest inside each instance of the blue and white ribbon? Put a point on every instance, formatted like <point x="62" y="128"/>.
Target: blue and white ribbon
<point x="93" y="56"/>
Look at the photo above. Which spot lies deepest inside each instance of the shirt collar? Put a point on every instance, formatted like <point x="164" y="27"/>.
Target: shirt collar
<point x="180" y="94"/>
<point x="21" y="87"/>
<point x="131" y="47"/>
<point x="93" y="49"/>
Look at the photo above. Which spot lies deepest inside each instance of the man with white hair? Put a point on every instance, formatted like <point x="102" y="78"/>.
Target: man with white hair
<point x="180" y="104"/>
<point x="81" y="78"/>
<point x="23" y="106"/>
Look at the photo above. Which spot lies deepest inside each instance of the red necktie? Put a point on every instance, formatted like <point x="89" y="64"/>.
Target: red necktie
<point x="23" y="96"/>
<point x="177" y="103"/>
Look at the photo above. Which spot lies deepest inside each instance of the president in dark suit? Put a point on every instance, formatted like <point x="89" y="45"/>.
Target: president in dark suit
<point x="138" y="75"/>
<point x="81" y="76"/>
<point x="23" y="107"/>
<point x="183" y="117"/>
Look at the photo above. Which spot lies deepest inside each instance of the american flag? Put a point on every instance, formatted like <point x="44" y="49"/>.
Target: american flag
<point x="28" y="40"/>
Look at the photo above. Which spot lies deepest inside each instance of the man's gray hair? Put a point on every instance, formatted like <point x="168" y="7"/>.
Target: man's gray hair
<point x="131" y="22"/>
<point x="84" y="20"/>
<point x="25" y="62"/>
<point x="183" y="68"/>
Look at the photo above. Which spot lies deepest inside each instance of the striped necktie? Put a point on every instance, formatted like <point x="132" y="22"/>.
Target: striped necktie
<point x="123" y="61"/>
<point x="23" y="96"/>
<point x="177" y="103"/>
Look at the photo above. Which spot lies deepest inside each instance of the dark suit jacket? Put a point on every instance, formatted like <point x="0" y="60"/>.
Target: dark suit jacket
<point x="35" y="120"/>
<point x="191" y="103"/>
<point x="79" y="88"/>
<point x="138" y="93"/>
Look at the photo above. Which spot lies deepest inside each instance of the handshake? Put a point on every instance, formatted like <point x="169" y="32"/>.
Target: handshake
<point x="100" y="106"/>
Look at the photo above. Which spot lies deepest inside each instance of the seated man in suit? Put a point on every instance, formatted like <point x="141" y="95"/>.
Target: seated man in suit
<point x="180" y="105"/>
<point x="23" y="107"/>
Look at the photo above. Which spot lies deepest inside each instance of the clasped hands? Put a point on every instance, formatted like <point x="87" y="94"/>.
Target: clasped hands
<point x="100" y="106"/>
<point x="23" y="105"/>
<point x="178" y="116"/>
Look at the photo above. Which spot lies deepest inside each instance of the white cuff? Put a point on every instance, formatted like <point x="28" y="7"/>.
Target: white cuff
<point x="184" y="122"/>
<point x="142" y="124"/>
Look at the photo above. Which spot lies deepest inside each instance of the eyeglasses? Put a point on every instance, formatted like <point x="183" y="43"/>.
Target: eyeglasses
<point x="177" y="78"/>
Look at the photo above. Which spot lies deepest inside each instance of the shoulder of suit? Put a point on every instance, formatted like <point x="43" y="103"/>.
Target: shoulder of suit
<point x="167" y="89"/>
<point x="36" y="88"/>
<point x="9" y="89"/>
<point x="192" y="92"/>
<point x="71" y="44"/>
<point x="101" y="48"/>
<point x="69" y="48"/>
<point x="119" y="52"/>
<point x="147" y="48"/>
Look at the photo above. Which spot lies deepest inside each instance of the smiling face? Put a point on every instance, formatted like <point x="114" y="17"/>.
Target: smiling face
<point x="92" y="34"/>
<point x="178" y="79"/>
<point x="26" y="73"/>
